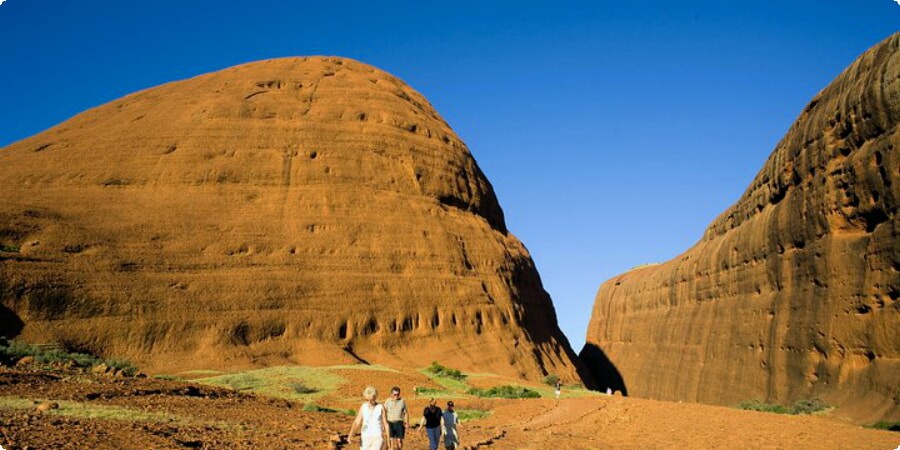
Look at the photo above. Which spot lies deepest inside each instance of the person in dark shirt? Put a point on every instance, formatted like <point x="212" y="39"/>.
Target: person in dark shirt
<point x="431" y="421"/>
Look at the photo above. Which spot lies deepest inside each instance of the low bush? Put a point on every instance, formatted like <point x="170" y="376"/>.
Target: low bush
<point x="13" y="350"/>
<point x="442" y="371"/>
<point x="312" y="407"/>
<point x="551" y="379"/>
<point x="123" y="365"/>
<point x="807" y="406"/>
<point x="301" y="388"/>
<point x="505" y="391"/>
<point x="422" y="390"/>
<point x="466" y="415"/>
<point x="887" y="426"/>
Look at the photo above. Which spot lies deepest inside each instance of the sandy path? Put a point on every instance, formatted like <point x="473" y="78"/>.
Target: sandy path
<point x="626" y="423"/>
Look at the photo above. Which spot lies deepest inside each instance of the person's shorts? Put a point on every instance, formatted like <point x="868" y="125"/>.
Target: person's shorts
<point x="396" y="430"/>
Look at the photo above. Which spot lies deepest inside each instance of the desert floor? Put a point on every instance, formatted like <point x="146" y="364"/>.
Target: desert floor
<point x="263" y="409"/>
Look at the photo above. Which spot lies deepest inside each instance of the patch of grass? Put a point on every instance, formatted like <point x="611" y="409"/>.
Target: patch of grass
<point x="505" y="391"/>
<point x="123" y="365"/>
<point x="168" y="377"/>
<point x="9" y="248"/>
<point x="312" y="407"/>
<point x="279" y="381"/>
<point x="88" y="411"/>
<point x="809" y="406"/>
<point x="887" y="426"/>
<point x="451" y="380"/>
<point x="445" y="372"/>
<point x="422" y="390"/>
<point x="466" y="415"/>
<point x="376" y="367"/>
<point x="200" y="372"/>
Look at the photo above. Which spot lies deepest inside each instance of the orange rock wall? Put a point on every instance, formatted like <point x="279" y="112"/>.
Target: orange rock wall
<point x="313" y="210"/>
<point x="791" y="293"/>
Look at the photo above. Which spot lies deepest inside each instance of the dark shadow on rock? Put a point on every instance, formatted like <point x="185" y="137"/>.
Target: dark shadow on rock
<point x="604" y="372"/>
<point x="10" y="323"/>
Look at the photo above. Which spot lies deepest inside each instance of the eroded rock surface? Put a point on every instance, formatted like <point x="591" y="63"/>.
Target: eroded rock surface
<point x="793" y="292"/>
<point x="306" y="210"/>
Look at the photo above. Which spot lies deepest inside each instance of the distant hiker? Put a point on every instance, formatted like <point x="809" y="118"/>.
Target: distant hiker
<point x="397" y="419"/>
<point x="373" y="421"/>
<point x="451" y="422"/>
<point x="558" y="389"/>
<point x="431" y="421"/>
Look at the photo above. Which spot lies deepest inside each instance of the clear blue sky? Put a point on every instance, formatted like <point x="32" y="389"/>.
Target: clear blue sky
<point x="612" y="131"/>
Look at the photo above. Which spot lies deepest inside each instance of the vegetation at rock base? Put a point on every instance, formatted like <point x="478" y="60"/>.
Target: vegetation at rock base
<point x="14" y="350"/>
<point x="426" y="391"/>
<point x="806" y="406"/>
<point x="551" y="379"/>
<point x="442" y="371"/>
<point x="90" y="411"/>
<point x="505" y="391"/>
<point x="312" y="407"/>
<point x="301" y="388"/>
<point x="887" y="426"/>
<point x="466" y="415"/>
<point x="289" y="382"/>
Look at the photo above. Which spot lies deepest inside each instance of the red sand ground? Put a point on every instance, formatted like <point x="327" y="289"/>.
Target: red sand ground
<point x="213" y="418"/>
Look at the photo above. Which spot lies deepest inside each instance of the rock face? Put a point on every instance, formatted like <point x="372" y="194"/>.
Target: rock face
<point x="792" y="293"/>
<point x="306" y="210"/>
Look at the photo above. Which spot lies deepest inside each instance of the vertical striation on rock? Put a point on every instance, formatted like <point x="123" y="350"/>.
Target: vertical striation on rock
<point x="308" y="210"/>
<point x="792" y="293"/>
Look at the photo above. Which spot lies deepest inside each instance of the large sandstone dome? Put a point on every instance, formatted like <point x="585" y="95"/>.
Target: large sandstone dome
<point x="305" y="210"/>
<point x="793" y="292"/>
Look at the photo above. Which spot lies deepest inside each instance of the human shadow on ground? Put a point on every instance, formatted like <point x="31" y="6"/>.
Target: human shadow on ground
<point x="604" y="372"/>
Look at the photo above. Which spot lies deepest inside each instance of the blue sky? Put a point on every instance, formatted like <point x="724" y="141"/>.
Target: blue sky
<point x="613" y="132"/>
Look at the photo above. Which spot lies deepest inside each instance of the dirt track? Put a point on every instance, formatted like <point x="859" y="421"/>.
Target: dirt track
<point x="213" y="418"/>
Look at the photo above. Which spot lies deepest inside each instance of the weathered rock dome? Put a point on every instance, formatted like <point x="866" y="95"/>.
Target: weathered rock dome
<point x="793" y="292"/>
<point x="307" y="210"/>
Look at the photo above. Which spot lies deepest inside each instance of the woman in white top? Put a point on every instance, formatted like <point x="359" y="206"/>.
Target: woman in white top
<point x="373" y="421"/>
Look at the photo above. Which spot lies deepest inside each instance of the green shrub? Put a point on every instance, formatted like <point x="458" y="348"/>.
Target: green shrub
<point x="807" y="406"/>
<point x="168" y="378"/>
<point x="312" y="407"/>
<point x="551" y="379"/>
<point x="301" y="388"/>
<point x="887" y="426"/>
<point x="442" y="371"/>
<point x="123" y="365"/>
<point x="13" y="350"/>
<point x="466" y="415"/>
<point x="10" y="248"/>
<point x="422" y="390"/>
<point x="505" y="391"/>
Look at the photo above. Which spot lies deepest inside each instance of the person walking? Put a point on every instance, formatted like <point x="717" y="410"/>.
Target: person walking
<point x="397" y="419"/>
<point x="431" y="422"/>
<point x="373" y="421"/>
<point x="451" y="425"/>
<point x="558" y="389"/>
